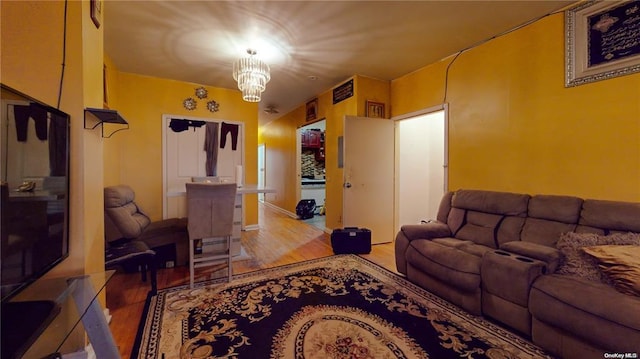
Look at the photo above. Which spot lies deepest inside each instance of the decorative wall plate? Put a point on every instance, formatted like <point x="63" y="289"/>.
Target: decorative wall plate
<point x="213" y="106"/>
<point x="189" y="103"/>
<point x="201" y="92"/>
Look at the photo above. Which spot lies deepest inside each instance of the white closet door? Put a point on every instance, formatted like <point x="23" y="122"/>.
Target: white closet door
<point x="184" y="157"/>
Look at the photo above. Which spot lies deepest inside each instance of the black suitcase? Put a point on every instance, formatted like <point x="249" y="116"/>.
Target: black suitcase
<point x="351" y="240"/>
<point x="306" y="208"/>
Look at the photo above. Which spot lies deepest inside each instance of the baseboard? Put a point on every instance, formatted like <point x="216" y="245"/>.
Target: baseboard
<point x="87" y="353"/>
<point x="107" y="315"/>
<point x="281" y="210"/>
<point x="292" y="215"/>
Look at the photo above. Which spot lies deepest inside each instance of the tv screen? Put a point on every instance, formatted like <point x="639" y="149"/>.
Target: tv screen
<point x="34" y="156"/>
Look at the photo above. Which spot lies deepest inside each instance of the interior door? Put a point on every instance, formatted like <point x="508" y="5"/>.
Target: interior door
<point x="369" y="176"/>
<point x="261" y="169"/>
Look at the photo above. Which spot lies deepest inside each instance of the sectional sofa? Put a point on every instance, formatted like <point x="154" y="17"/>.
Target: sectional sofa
<point x="524" y="261"/>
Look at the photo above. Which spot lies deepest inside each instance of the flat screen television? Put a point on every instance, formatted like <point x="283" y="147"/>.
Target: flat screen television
<point x="34" y="176"/>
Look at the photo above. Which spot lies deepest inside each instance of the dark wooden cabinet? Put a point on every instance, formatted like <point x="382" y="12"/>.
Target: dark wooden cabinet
<point x="312" y="139"/>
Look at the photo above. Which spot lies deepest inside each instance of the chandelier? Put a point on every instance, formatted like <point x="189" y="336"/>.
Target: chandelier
<point x="252" y="75"/>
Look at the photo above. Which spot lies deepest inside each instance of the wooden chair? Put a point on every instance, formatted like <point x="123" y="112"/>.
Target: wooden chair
<point x="210" y="208"/>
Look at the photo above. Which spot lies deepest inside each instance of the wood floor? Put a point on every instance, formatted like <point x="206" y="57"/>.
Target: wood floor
<point x="280" y="240"/>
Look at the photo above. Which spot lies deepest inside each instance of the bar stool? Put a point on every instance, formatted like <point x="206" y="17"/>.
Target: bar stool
<point x="210" y="208"/>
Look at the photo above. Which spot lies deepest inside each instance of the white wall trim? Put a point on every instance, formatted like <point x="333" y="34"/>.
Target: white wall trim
<point x="424" y="111"/>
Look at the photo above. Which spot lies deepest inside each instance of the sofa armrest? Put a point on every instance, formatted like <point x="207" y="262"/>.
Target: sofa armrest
<point x="551" y="256"/>
<point x="428" y="230"/>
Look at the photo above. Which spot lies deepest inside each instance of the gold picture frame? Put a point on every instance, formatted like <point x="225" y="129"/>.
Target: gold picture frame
<point x="375" y="109"/>
<point x="600" y="41"/>
<point x="312" y="110"/>
<point x="96" y="12"/>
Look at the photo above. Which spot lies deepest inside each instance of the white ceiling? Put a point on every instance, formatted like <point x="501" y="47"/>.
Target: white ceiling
<point x="198" y="41"/>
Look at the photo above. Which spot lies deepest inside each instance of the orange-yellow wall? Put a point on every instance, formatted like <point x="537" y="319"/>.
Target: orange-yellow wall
<point x="135" y="155"/>
<point x="32" y="53"/>
<point x="513" y="126"/>
<point x="279" y="137"/>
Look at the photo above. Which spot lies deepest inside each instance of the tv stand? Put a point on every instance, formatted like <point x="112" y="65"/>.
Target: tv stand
<point x="22" y="324"/>
<point x="38" y="321"/>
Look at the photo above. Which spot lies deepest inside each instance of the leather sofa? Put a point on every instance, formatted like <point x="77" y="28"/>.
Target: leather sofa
<point x="497" y="254"/>
<point x="123" y="218"/>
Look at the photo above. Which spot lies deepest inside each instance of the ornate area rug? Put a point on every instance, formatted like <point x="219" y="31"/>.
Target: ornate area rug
<point x="336" y="307"/>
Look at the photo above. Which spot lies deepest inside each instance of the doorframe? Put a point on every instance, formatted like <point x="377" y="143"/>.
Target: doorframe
<point x="299" y="130"/>
<point x="442" y="107"/>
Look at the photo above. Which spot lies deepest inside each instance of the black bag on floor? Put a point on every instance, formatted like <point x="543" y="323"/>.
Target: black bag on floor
<point x="306" y="208"/>
<point x="351" y="240"/>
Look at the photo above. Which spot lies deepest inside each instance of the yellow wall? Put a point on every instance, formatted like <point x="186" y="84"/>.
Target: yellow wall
<point x="113" y="144"/>
<point x="135" y="156"/>
<point x="32" y="53"/>
<point x="279" y="137"/>
<point x="513" y="126"/>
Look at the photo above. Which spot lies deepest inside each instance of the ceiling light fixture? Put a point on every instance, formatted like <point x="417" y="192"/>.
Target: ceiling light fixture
<point x="252" y="75"/>
<point x="271" y="110"/>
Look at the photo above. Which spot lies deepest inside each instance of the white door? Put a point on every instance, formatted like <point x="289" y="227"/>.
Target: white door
<point x="261" y="169"/>
<point x="368" y="176"/>
<point x="184" y="157"/>
<point x="421" y="167"/>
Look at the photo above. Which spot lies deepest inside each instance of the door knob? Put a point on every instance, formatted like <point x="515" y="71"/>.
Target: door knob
<point x="347" y="185"/>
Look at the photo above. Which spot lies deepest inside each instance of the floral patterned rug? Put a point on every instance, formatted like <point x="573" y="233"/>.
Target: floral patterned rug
<point x="336" y="307"/>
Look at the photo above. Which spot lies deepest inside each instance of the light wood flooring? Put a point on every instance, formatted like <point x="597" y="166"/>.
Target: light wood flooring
<point x="280" y="240"/>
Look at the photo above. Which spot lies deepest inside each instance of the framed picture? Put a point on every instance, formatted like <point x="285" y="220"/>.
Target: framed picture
<point x="601" y="41"/>
<point x="375" y="109"/>
<point x="312" y="110"/>
<point x="96" y="12"/>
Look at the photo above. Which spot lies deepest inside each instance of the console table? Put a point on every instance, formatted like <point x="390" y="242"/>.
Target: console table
<point x="39" y="320"/>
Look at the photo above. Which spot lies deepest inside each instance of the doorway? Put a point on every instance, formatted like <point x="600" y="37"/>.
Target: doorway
<point x="312" y="169"/>
<point x="421" y="166"/>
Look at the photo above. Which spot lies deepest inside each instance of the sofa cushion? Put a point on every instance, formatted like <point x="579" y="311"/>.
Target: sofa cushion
<point x="576" y="262"/>
<point x="429" y="230"/>
<point x="477" y="250"/>
<point x="544" y="232"/>
<point x="611" y="215"/>
<point x="592" y="311"/>
<point x="480" y="228"/>
<point x="451" y="242"/>
<point x="509" y="230"/>
<point x="512" y="204"/>
<point x="127" y="220"/>
<point x="565" y="209"/>
<point x="447" y="264"/>
<point x="117" y="196"/>
<point x="478" y="215"/>
<point x="549" y="216"/>
<point x="444" y="208"/>
<point x="621" y="264"/>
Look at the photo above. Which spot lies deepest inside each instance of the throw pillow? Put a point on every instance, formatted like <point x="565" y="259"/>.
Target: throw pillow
<point x="621" y="263"/>
<point x="575" y="262"/>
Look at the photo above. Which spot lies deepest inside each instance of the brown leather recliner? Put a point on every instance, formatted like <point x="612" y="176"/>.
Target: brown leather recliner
<point x="123" y="218"/>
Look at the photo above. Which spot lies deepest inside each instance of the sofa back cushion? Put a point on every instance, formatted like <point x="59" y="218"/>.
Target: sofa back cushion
<point x="549" y="216"/>
<point x="487" y="217"/>
<point x="445" y="207"/>
<point x="604" y="217"/>
<point x="123" y="218"/>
